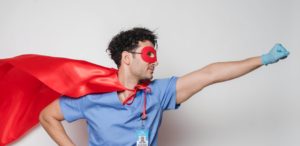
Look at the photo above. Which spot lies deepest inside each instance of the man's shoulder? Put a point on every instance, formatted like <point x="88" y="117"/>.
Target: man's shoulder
<point x="91" y="99"/>
<point x="163" y="81"/>
<point x="90" y="96"/>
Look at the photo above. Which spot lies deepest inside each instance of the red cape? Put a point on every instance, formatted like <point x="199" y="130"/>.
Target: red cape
<point x="28" y="83"/>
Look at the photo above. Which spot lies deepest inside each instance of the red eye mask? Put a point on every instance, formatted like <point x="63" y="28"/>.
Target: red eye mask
<point x="149" y="54"/>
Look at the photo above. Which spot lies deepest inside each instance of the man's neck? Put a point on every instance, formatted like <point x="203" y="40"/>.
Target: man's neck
<point x="126" y="79"/>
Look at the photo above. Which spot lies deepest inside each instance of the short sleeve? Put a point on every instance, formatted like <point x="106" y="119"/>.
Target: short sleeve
<point x="71" y="108"/>
<point x="167" y="92"/>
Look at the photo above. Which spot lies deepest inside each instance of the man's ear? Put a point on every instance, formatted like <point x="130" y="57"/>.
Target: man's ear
<point x="126" y="57"/>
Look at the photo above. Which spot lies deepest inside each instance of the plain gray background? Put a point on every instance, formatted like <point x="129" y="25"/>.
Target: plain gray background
<point x="259" y="109"/>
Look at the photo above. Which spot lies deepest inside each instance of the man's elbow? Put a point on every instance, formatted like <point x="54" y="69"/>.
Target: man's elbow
<point x="44" y="117"/>
<point x="47" y="118"/>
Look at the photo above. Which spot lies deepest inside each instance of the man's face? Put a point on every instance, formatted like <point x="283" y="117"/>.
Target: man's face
<point x="143" y="65"/>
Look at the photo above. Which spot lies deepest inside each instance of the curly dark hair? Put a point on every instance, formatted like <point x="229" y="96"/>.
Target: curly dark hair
<point x="127" y="41"/>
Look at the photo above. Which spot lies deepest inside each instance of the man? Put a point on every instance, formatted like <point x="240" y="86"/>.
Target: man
<point x="120" y="118"/>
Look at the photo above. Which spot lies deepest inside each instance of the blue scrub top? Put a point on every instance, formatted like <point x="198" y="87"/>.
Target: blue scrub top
<point x="112" y="124"/>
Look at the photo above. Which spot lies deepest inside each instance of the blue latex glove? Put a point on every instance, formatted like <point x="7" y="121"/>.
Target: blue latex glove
<point x="276" y="53"/>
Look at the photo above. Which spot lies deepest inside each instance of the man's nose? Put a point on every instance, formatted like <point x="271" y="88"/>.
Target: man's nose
<point x="155" y="63"/>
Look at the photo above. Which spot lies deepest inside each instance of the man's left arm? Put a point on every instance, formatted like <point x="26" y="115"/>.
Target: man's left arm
<point x="193" y="82"/>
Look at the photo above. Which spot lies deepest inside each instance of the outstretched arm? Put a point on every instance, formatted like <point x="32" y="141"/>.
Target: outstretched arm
<point x="193" y="82"/>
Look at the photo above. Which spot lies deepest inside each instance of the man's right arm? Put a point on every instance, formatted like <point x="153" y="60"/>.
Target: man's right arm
<point x="192" y="83"/>
<point x="50" y="118"/>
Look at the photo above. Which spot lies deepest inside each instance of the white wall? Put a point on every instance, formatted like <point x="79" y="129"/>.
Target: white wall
<point x="261" y="108"/>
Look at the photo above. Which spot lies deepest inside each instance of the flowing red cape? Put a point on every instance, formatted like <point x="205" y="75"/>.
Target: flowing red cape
<point x="30" y="82"/>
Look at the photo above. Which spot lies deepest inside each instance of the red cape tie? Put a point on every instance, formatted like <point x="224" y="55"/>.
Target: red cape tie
<point x="129" y="100"/>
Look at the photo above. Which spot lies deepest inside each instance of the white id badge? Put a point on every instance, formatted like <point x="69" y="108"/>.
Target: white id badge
<point x="142" y="137"/>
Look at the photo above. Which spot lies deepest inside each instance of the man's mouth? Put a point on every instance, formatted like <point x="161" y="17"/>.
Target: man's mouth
<point x="151" y="69"/>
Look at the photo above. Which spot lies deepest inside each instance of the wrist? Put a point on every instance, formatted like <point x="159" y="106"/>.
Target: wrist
<point x="266" y="59"/>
